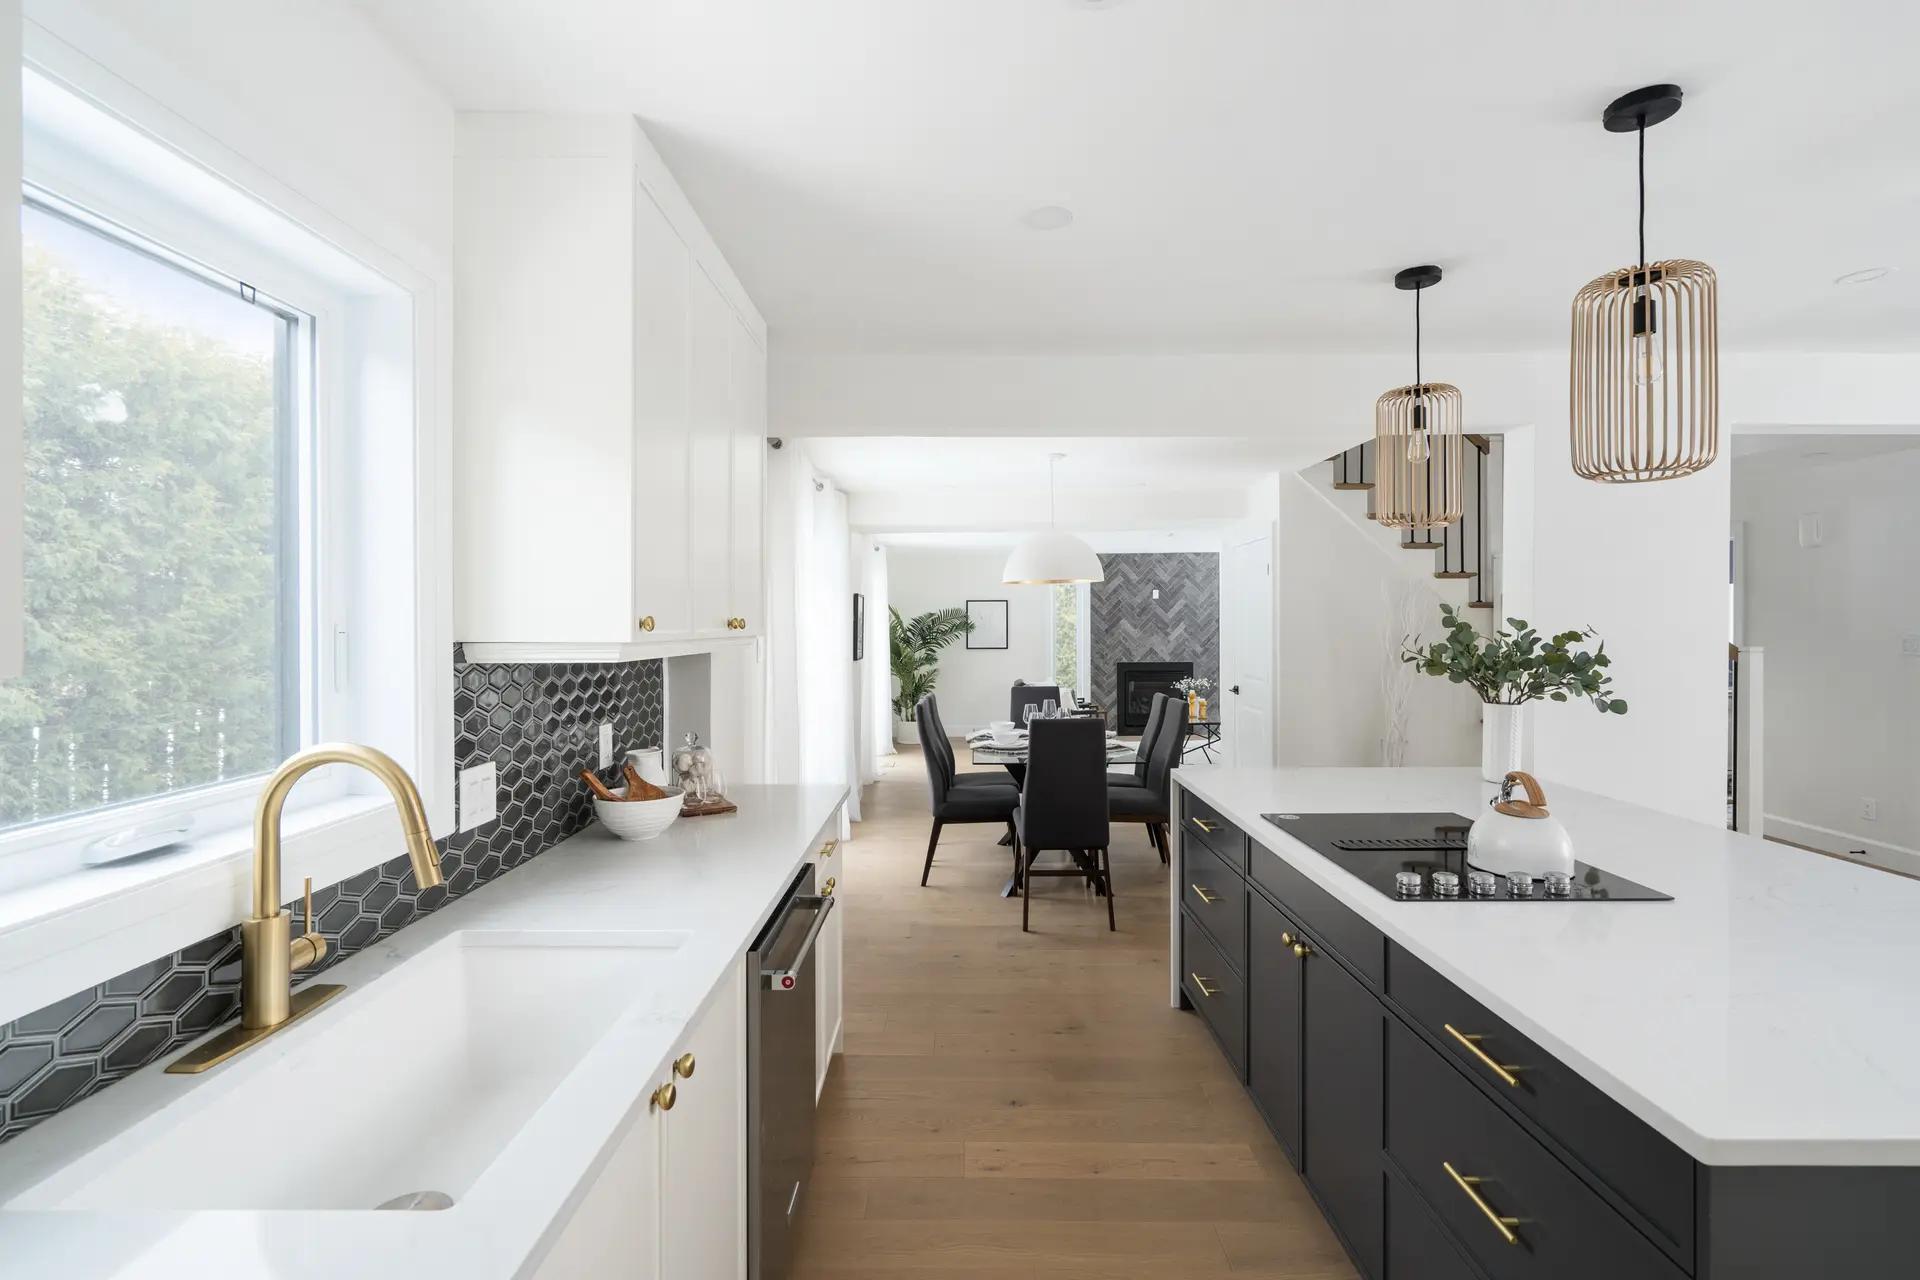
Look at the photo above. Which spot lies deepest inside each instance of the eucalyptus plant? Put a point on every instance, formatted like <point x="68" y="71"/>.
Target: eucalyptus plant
<point x="1519" y="665"/>
<point x="914" y="647"/>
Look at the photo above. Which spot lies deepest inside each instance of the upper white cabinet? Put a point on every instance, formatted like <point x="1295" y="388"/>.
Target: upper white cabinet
<point x="609" y="398"/>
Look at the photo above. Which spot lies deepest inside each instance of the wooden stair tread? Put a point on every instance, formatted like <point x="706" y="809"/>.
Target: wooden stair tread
<point x="1455" y="573"/>
<point x="1354" y="485"/>
<point x="1479" y="604"/>
<point x="1422" y="546"/>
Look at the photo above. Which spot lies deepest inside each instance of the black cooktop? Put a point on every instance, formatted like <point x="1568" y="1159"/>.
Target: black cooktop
<point x="1377" y="846"/>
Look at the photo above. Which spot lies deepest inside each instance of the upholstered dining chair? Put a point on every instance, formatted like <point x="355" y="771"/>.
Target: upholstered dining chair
<point x="1063" y="807"/>
<point x="1031" y="695"/>
<point x="956" y="797"/>
<point x="1147" y="797"/>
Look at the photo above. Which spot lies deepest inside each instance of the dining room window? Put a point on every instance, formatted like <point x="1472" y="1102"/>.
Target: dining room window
<point x="1068" y="636"/>
<point x="165" y="421"/>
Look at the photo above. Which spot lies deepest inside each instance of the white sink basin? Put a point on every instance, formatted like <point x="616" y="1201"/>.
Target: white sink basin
<point x="414" y="1082"/>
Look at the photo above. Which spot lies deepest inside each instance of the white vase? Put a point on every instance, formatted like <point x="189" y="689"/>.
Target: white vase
<point x="1503" y="728"/>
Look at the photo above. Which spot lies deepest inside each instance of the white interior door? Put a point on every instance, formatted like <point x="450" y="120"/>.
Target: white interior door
<point x="1246" y="608"/>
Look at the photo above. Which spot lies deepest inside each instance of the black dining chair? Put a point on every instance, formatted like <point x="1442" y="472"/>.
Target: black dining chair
<point x="1064" y="807"/>
<point x="1147" y="797"/>
<point x="1031" y="695"/>
<point x="956" y="797"/>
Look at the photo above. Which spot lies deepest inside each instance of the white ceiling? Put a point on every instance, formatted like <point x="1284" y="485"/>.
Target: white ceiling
<point x="1802" y="450"/>
<point x="1244" y="174"/>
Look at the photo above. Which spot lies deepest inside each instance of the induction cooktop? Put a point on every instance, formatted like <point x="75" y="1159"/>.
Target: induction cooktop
<point x="1422" y="857"/>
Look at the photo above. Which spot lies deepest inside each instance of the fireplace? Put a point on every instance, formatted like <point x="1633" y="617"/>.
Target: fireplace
<point x="1136" y="683"/>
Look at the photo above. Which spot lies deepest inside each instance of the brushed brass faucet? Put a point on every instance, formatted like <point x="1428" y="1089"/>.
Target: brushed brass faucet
<point x="269" y="953"/>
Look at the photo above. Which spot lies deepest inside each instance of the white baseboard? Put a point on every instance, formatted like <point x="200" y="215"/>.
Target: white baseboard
<point x="1847" y="844"/>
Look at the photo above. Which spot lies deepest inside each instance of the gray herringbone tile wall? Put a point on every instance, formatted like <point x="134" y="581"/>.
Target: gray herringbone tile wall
<point x="1130" y="625"/>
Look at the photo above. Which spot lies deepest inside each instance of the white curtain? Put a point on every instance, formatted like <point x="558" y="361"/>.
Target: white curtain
<point x="873" y="674"/>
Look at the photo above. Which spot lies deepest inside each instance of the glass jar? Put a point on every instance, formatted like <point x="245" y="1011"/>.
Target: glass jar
<point x="694" y="769"/>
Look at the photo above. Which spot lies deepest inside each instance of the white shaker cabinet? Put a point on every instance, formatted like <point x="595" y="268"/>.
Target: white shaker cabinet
<point x="830" y="877"/>
<point x="609" y="400"/>
<point x="614" y="1234"/>
<point x="704" y="1143"/>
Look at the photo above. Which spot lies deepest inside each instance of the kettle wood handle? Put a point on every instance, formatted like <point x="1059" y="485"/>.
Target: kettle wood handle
<point x="1534" y="806"/>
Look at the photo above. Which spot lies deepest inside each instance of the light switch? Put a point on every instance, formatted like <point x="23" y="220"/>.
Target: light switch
<point x="479" y="801"/>
<point x="1910" y="646"/>
<point x="606" y="744"/>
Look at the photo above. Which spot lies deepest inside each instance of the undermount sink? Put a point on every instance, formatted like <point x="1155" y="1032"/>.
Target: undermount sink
<point x="412" y="1083"/>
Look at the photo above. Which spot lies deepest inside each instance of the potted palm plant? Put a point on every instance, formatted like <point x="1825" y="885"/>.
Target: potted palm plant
<point x="914" y="647"/>
<point x="1510" y="669"/>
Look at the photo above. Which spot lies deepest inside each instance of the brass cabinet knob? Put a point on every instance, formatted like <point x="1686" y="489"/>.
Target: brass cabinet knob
<point x="826" y="890"/>
<point x="1286" y="938"/>
<point x="646" y="623"/>
<point x="683" y="1066"/>
<point x="1302" y="950"/>
<point x="665" y="1096"/>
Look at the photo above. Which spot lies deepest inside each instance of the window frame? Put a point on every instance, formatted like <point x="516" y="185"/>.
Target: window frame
<point x="392" y="382"/>
<point x="306" y="437"/>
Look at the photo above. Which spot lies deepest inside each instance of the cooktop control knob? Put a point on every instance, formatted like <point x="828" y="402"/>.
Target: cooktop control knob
<point x="1481" y="883"/>
<point x="1559" y="884"/>
<point x="1446" y="884"/>
<point x="1408" y="884"/>
<point x="1519" y="885"/>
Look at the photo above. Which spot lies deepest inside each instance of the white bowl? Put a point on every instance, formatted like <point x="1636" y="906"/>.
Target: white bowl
<point x="638" y="819"/>
<point x="1000" y="726"/>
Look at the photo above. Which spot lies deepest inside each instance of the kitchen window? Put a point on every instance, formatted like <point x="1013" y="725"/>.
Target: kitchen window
<point x="167" y="418"/>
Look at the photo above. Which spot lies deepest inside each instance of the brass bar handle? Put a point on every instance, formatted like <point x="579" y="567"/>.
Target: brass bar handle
<point x="683" y="1066"/>
<point x="1505" y="1226"/>
<point x="1204" y="825"/>
<point x="826" y="850"/>
<point x="1472" y="1044"/>
<point x="1208" y="991"/>
<point x="665" y="1096"/>
<point x="1205" y="897"/>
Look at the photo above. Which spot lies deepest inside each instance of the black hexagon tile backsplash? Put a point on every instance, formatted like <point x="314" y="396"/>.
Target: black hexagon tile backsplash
<point x="540" y="726"/>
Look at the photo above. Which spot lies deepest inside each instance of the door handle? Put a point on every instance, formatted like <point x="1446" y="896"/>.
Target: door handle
<point x="1204" y="896"/>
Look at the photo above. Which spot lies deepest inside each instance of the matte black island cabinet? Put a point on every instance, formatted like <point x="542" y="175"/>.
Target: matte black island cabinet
<point x="1441" y="1144"/>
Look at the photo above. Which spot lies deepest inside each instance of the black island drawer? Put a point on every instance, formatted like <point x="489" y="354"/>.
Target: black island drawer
<point x="1216" y="991"/>
<point x="1648" y="1173"/>
<point x="1417" y="1247"/>
<point x="1217" y="898"/>
<point x="1201" y="821"/>
<point x="1510" y="1203"/>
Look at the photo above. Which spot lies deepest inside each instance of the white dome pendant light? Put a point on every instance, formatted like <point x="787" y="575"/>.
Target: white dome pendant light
<point x="1052" y="557"/>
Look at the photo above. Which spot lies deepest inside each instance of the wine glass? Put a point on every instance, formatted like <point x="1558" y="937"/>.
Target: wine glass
<point x="1049" y="710"/>
<point x="1026" y="715"/>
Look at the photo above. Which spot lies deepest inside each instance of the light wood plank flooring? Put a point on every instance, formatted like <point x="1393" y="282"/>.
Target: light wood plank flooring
<point x="1018" y="1105"/>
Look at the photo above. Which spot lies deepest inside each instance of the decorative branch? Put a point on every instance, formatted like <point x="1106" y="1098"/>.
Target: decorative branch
<point x="1519" y="666"/>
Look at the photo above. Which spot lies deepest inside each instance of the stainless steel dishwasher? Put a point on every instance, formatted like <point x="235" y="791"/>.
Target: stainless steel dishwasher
<point x="782" y="1022"/>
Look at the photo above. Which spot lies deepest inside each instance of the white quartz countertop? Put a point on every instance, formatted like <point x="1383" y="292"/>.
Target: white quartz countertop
<point x="1769" y="1014"/>
<point x="717" y="879"/>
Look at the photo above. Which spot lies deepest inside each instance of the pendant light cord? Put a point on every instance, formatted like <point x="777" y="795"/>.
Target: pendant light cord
<point x="1643" y="195"/>
<point x="1416" y="340"/>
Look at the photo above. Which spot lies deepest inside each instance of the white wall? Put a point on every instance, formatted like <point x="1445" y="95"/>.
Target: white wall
<point x="974" y="683"/>
<point x="1333" y="634"/>
<point x="1842" y="700"/>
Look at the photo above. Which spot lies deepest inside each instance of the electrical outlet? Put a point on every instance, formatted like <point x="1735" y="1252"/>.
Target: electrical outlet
<point x="1869" y="808"/>
<point x="606" y="744"/>
<point x="479" y="798"/>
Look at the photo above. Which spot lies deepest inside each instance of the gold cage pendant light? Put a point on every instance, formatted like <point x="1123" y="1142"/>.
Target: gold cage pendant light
<point x="1645" y="383"/>
<point x="1416" y="439"/>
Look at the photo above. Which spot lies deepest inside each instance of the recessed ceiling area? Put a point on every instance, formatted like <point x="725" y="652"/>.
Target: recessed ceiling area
<point x="1801" y="450"/>
<point x="1241" y="176"/>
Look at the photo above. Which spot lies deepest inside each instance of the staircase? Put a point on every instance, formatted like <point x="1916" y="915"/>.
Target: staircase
<point x="1464" y="553"/>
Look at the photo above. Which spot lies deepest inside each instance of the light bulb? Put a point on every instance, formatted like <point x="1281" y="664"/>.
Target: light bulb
<point x="1648" y="365"/>
<point x="1417" y="445"/>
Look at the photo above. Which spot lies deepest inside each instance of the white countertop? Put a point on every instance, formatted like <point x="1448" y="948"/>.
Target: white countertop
<point x="1769" y="1014"/>
<point x="716" y="878"/>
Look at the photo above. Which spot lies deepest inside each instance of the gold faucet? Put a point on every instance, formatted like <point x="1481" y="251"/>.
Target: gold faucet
<point x="269" y="953"/>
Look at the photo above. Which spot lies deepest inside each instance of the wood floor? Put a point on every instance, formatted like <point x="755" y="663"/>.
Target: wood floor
<point x="1026" y="1105"/>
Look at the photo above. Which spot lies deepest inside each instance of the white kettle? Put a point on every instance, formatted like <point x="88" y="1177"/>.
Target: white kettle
<point x="1520" y="836"/>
